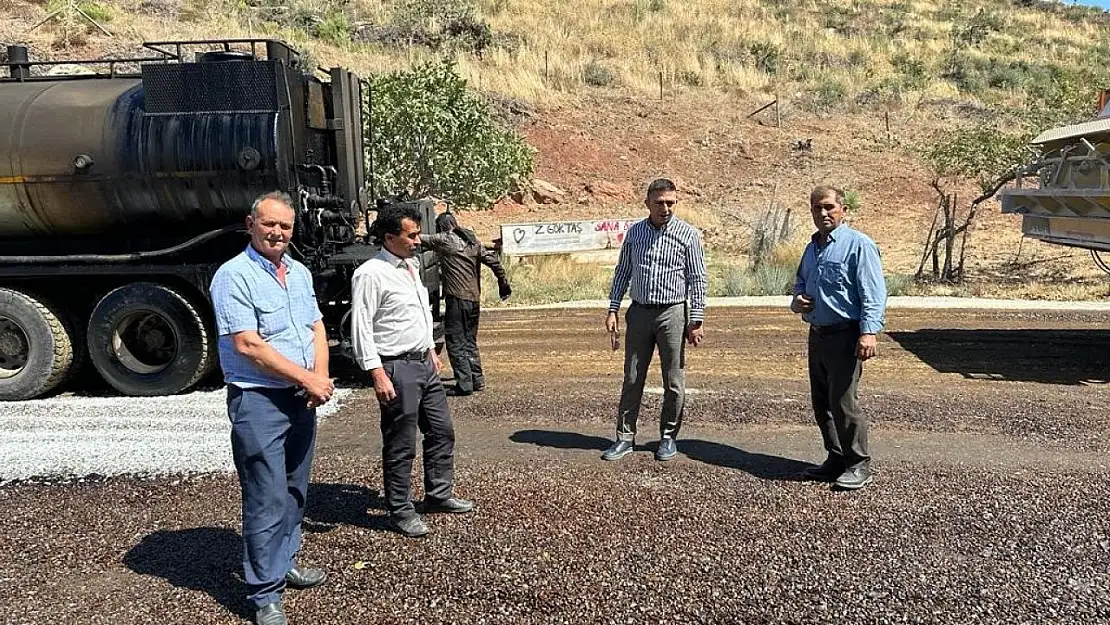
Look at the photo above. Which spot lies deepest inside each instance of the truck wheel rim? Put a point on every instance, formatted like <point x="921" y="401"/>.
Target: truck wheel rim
<point x="144" y="342"/>
<point x="14" y="348"/>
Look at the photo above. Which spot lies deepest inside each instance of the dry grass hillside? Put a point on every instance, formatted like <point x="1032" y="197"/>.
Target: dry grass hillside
<point x="584" y="79"/>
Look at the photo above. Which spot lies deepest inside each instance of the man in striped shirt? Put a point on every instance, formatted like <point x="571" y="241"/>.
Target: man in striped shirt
<point x="662" y="260"/>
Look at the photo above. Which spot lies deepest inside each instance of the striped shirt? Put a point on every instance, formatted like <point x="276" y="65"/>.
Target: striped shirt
<point x="664" y="266"/>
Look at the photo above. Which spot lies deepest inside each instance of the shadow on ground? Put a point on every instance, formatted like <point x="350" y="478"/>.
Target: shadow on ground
<point x="207" y="559"/>
<point x="332" y="505"/>
<point x="762" y="466"/>
<point x="1046" y="356"/>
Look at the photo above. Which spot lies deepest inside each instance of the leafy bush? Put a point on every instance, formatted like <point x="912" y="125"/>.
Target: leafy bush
<point x="851" y="200"/>
<point x="980" y="152"/>
<point x="450" y="25"/>
<point x="335" y="29"/>
<point x="690" y="78"/>
<point x="597" y="75"/>
<point x="985" y="151"/>
<point x="829" y="95"/>
<point x="975" y="30"/>
<point x="964" y="74"/>
<point x="765" y="56"/>
<point x="772" y="279"/>
<point x="913" y="71"/>
<point x="433" y="137"/>
<point x="899" y="284"/>
<point x="98" y="12"/>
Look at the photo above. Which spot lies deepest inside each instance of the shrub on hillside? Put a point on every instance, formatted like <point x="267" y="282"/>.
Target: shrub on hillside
<point x="597" y="75"/>
<point x="431" y="136"/>
<point x="335" y="29"/>
<point x="441" y="24"/>
<point x="765" y="56"/>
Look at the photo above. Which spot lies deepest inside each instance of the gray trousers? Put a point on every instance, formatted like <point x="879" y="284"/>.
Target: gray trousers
<point x="646" y="329"/>
<point x="273" y="436"/>
<point x="834" y="372"/>
<point x="421" y="404"/>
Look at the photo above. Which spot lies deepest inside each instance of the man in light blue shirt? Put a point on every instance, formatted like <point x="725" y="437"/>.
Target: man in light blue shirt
<point x="274" y="356"/>
<point x="840" y="291"/>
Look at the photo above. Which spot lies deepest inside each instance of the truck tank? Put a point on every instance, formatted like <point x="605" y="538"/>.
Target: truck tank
<point x="175" y="149"/>
<point x="122" y="191"/>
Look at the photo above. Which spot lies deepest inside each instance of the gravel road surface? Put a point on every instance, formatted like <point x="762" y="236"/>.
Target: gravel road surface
<point x="74" y="437"/>
<point x="991" y="502"/>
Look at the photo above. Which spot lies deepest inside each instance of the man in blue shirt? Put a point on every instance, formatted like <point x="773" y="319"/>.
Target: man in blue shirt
<point x="274" y="356"/>
<point x="840" y="291"/>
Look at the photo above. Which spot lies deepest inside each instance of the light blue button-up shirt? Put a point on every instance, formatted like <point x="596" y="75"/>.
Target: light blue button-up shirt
<point x="845" y="279"/>
<point x="247" y="295"/>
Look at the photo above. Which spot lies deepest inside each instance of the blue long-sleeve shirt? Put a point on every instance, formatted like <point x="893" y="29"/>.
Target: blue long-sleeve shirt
<point x="845" y="279"/>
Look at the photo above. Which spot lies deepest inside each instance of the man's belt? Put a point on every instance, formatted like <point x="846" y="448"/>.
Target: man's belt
<point x="834" y="328"/>
<point x="655" y="306"/>
<point x="417" y="355"/>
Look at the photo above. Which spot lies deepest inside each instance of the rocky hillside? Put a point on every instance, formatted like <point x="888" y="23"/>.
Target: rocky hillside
<point x="614" y="92"/>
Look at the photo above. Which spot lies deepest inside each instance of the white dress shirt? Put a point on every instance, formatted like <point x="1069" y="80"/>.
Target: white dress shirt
<point x="390" y="313"/>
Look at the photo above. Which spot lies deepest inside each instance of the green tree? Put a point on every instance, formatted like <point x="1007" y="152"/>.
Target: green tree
<point x="991" y="154"/>
<point x="431" y="136"/>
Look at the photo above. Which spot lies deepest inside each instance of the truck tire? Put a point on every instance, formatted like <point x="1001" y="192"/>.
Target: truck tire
<point x="147" y="339"/>
<point x="36" y="349"/>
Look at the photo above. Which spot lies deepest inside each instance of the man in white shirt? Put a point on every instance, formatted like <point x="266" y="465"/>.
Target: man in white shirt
<point x="391" y="334"/>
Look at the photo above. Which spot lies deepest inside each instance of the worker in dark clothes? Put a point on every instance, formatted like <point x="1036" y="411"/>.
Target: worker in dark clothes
<point x="461" y="259"/>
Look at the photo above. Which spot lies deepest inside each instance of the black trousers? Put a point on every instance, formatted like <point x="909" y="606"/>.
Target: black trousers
<point x="834" y="372"/>
<point x="461" y="327"/>
<point x="421" y="404"/>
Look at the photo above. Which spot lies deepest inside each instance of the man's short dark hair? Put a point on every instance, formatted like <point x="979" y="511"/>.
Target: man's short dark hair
<point x="660" y="185"/>
<point x="389" y="220"/>
<point x="821" y="191"/>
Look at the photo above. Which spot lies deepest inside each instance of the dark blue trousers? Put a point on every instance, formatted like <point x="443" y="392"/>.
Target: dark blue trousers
<point x="273" y="436"/>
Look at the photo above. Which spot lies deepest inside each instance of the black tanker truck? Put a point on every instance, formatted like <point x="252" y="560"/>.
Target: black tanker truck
<point x="124" y="184"/>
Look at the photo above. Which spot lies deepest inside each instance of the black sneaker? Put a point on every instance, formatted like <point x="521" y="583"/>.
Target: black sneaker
<point x="302" y="578"/>
<point x="452" y="505"/>
<point x="412" y="526"/>
<point x="667" y="449"/>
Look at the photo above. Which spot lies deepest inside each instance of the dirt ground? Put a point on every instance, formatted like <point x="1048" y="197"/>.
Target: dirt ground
<point x="990" y="502"/>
